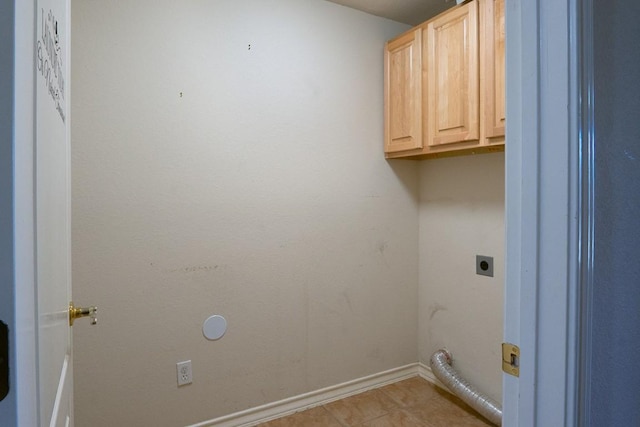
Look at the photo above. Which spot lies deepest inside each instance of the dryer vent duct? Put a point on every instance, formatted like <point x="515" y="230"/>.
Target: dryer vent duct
<point x="487" y="407"/>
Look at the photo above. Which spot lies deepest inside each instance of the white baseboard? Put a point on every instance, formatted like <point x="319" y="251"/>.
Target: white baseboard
<point x="271" y="411"/>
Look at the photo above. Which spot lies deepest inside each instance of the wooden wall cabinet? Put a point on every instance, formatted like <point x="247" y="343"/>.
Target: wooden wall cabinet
<point x="494" y="69"/>
<point x="453" y="77"/>
<point x="457" y="106"/>
<point x="402" y="93"/>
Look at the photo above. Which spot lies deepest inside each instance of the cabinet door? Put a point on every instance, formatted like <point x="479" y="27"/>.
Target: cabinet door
<point x="403" y="92"/>
<point x="494" y="69"/>
<point x="452" y="76"/>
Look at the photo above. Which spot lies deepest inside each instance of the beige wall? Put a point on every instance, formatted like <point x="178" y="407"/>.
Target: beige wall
<point x="461" y="216"/>
<point x="210" y="178"/>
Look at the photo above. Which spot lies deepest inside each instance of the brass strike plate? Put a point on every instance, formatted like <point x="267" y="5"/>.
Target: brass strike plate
<point x="511" y="359"/>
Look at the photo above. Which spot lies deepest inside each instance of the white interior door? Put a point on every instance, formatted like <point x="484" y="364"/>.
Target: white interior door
<point x="53" y="233"/>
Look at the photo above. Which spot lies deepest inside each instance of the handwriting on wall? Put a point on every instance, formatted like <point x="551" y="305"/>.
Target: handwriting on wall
<point x="50" y="60"/>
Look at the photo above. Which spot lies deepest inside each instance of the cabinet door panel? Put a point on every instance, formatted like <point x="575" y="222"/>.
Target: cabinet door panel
<point x="403" y="89"/>
<point x="495" y="69"/>
<point x="452" y="76"/>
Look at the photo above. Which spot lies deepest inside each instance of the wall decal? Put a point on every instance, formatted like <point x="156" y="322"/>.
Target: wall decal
<point x="50" y="60"/>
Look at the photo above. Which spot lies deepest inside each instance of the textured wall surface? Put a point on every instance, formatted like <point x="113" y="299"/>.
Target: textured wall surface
<point x="615" y="382"/>
<point x="461" y="216"/>
<point x="227" y="158"/>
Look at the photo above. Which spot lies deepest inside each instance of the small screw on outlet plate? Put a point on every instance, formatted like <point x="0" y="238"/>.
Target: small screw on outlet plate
<point x="184" y="372"/>
<point x="484" y="265"/>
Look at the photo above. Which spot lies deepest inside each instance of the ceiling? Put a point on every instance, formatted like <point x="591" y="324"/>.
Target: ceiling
<point x="412" y="12"/>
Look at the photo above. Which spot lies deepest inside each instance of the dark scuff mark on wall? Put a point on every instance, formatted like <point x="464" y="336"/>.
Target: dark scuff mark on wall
<point x="435" y="308"/>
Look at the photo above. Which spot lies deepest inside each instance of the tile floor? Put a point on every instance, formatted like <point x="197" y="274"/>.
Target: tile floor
<point x="410" y="403"/>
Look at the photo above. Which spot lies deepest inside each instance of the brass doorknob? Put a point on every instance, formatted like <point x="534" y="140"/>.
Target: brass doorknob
<point x="78" y="312"/>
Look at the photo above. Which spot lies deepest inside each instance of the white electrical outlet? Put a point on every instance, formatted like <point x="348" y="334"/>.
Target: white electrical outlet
<point x="184" y="372"/>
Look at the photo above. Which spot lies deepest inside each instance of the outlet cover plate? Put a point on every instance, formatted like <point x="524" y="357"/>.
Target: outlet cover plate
<point x="484" y="265"/>
<point x="185" y="375"/>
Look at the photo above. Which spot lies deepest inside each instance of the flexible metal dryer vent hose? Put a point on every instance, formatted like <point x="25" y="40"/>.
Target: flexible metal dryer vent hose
<point x="487" y="407"/>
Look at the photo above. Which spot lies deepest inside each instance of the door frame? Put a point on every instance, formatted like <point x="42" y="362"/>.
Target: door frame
<point x="7" y="273"/>
<point x="23" y="362"/>
<point x="548" y="194"/>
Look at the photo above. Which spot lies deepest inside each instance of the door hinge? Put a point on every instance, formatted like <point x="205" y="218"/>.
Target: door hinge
<point x="511" y="359"/>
